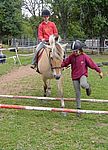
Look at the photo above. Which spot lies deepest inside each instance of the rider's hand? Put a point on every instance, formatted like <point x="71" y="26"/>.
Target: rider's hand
<point x="68" y="67"/>
<point x="43" y="40"/>
<point x="56" y="38"/>
<point x="101" y="75"/>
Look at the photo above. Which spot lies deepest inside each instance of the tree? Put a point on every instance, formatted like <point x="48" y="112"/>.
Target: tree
<point x="94" y="16"/>
<point x="33" y="6"/>
<point x="63" y="9"/>
<point x="10" y="18"/>
<point x="27" y="31"/>
<point x="35" y="21"/>
<point x="67" y="19"/>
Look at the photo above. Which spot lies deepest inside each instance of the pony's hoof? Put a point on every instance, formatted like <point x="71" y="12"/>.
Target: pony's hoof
<point x="48" y="94"/>
<point x="64" y="114"/>
<point x="78" y="115"/>
<point x="44" y="101"/>
<point x="44" y="95"/>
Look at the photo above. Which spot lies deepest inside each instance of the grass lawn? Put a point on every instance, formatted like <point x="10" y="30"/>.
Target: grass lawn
<point x="38" y="130"/>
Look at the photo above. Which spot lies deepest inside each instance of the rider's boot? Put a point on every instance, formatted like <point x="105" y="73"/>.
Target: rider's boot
<point x="33" y="66"/>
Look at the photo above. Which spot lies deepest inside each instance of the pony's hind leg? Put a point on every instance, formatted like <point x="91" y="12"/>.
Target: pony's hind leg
<point x="45" y="87"/>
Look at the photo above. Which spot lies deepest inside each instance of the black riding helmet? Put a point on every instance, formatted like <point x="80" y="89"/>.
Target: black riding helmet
<point x="45" y="13"/>
<point x="76" y="45"/>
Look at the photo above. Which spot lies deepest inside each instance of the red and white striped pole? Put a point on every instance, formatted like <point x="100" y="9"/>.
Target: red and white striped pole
<point x="52" y="109"/>
<point x="52" y="98"/>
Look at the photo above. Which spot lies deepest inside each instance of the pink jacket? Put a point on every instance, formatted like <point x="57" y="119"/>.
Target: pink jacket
<point x="46" y="29"/>
<point x="79" y="65"/>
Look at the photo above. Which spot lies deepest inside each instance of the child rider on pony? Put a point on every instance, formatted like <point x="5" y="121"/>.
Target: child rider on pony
<point x="45" y="29"/>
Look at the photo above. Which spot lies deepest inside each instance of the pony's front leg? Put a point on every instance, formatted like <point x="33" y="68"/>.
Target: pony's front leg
<point x="60" y="91"/>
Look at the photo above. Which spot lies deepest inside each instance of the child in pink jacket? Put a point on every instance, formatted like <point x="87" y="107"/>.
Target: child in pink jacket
<point x="80" y="62"/>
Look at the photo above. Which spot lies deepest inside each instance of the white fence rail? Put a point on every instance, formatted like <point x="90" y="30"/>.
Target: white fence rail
<point x="16" y="56"/>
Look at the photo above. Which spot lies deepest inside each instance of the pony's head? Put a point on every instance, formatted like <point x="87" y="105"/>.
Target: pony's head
<point x="57" y="51"/>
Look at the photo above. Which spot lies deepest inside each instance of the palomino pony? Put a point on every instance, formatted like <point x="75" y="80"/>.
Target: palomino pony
<point x="49" y="66"/>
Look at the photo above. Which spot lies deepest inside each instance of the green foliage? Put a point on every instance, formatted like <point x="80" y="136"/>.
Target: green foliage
<point x="74" y="31"/>
<point x="27" y="28"/>
<point x="100" y="25"/>
<point x="35" y="21"/>
<point x="94" y="17"/>
<point x="10" y="18"/>
<point x="64" y="10"/>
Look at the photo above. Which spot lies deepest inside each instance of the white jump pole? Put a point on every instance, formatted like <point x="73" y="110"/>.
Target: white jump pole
<point x="52" y="98"/>
<point x="52" y="109"/>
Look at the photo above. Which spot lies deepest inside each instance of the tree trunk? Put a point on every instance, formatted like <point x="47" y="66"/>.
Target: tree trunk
<point x="101" y="49"/>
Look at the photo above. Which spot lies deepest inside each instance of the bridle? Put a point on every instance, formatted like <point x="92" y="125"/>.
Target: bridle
<point x="50" y="61"/>
<point x="50" y="58"/>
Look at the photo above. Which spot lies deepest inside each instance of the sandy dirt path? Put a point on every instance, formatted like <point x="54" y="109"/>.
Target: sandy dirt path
<point x="14" y="76"/>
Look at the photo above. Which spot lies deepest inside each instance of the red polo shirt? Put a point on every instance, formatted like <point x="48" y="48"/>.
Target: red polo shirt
<point x="47" y="29"/>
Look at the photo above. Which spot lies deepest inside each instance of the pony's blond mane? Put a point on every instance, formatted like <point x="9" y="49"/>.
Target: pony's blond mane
<point x="57" y="50"/>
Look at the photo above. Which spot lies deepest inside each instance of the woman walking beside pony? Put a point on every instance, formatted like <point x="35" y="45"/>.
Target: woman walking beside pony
<point x="80" y="62"/>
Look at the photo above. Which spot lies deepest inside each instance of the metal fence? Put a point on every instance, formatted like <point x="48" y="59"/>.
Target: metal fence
<point x="23" y="42"/>
<point x="91" y="45"/>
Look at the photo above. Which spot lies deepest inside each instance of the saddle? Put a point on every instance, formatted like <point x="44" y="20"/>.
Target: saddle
<point x="39" y="54"/>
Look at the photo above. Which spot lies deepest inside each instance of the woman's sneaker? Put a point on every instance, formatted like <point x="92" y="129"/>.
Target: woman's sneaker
<point x="78" y="114"/>
<point x="88" y="91"/>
